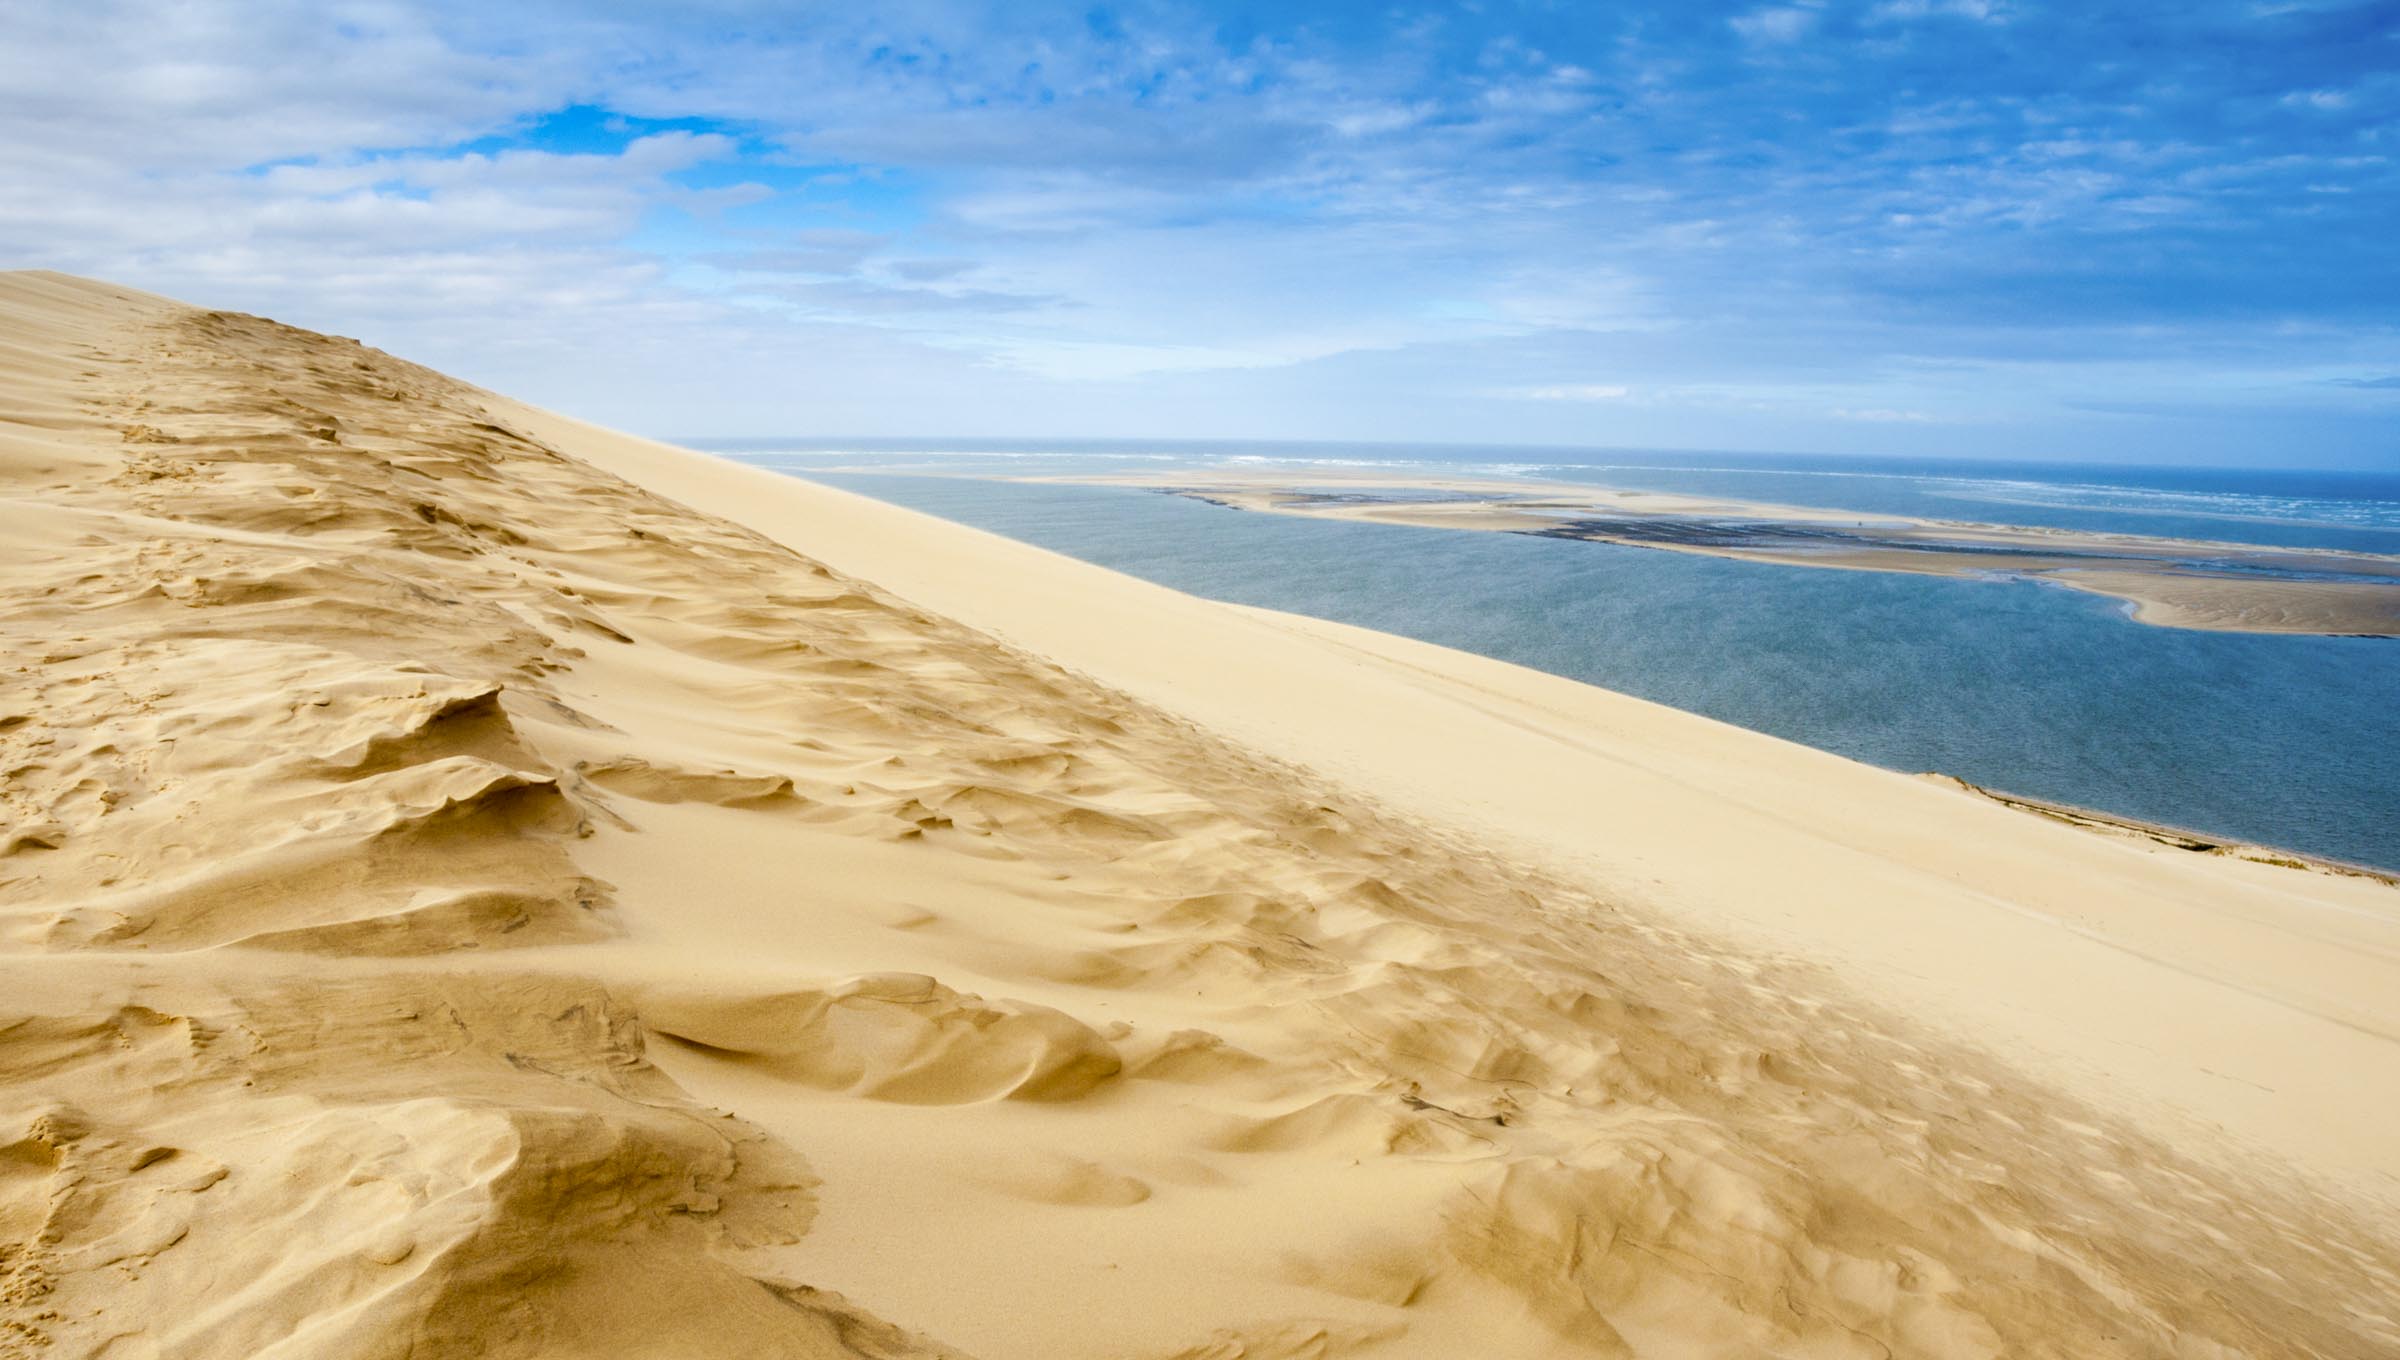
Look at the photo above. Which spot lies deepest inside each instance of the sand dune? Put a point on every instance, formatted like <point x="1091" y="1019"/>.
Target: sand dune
<point x="471" y="884"/>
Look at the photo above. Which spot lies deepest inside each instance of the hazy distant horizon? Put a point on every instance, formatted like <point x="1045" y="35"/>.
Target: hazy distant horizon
<point x="1435" y="450"/>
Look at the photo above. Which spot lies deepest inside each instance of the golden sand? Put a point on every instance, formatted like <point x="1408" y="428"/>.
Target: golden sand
<point x="476" y="885"/>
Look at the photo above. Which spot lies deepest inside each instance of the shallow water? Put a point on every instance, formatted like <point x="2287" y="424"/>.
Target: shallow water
<point x="2291" y="741"/>
<point x="2352" y="510"/>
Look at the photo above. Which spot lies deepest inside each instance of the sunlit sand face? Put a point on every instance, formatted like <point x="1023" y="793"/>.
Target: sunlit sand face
<point x="475" y="884"/>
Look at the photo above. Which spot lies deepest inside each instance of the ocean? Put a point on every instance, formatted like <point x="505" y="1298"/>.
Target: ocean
<point x="2031" y="689"/>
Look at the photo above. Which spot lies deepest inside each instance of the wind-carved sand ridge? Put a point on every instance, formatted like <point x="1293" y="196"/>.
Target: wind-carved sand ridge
<point x="456" y="901"/>
<point x="2178" y="583"/>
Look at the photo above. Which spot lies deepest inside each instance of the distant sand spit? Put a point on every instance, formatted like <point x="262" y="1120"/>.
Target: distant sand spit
<point x="2174" y="583"/>
<point x="475" y="884"/>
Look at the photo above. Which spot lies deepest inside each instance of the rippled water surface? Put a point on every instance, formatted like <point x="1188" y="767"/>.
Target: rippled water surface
<point x="2291" y="741"/>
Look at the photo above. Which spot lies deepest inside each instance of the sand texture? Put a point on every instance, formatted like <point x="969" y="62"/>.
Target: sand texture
<point x="476" y="885"/>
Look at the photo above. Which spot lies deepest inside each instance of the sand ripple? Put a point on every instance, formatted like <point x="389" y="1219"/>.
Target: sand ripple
<point x="417" y="841"/>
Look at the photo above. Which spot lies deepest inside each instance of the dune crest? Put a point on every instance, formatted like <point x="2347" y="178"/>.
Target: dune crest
<point x="458" y="901"/>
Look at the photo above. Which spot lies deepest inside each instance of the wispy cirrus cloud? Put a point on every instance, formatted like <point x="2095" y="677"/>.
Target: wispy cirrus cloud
<point x="1571" y="392"/>
<point x="1796" y="225"/>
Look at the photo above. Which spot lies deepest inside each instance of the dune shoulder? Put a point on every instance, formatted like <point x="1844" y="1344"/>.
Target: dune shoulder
<point x="477" y="884"/>
<point x="2123" y="950"/>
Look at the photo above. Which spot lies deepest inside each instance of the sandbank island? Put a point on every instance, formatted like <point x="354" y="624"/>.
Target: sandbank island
<point x="2181" y="583"/>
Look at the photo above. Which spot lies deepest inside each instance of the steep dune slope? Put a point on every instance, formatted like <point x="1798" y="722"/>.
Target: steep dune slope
<point x="262" y="717"/>
<point x="2222" y="986"/>
<point x="457" y="901"/>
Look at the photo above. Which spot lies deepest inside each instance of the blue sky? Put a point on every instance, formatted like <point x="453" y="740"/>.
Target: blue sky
<point x="1976" y="227"/>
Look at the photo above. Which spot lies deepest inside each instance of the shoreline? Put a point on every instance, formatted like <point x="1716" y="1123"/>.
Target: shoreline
<point x="487" y="866"/>
<point x="2175" y="837"/>
<point x="2225" y="822"/>
<point x="1121" y="634"/>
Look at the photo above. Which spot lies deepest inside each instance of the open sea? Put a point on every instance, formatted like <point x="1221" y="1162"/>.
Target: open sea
<point x="2031" y="689"/>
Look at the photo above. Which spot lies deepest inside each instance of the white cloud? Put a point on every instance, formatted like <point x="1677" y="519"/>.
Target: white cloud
<point x="1981" y="11"/>
<point x="1102" y="361"/>
<point x="1774" y="25"/>
<point x="2324" y="101"/>
<point x="219" y="83"/>
<point x="1572" y="392"/>
<point x="985" y="213"/>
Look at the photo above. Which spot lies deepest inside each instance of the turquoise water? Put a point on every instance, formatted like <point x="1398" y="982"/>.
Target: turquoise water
<point x="2291" y="741"/>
